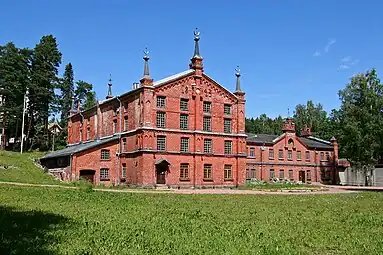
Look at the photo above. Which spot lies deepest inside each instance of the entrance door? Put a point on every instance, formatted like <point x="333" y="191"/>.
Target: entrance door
<point x="162" y="167"/>
<point x="160" y="177"/>
<point x="87" y="175"/>
<point x="302" y="176"/>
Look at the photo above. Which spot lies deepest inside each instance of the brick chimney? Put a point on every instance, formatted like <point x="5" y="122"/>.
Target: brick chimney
<point x="334" y="143"/>
<point x="288" y="126"/>
<point x="306" y="131"/>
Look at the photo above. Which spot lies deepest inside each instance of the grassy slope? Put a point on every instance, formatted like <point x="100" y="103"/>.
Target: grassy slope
<point x="22" y="168"/>
<point x="75" y="221"/>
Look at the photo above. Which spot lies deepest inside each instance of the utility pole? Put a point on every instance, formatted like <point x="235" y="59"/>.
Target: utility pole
<point x="23" y="124"/>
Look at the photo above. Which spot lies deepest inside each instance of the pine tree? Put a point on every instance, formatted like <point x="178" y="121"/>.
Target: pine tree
<point x="67" y="91"/>
<point x="43" y="100"/>
<point x="85" y="95"/>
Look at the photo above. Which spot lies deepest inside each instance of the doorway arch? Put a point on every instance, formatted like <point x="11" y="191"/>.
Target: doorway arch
<point x="87" y="174"/>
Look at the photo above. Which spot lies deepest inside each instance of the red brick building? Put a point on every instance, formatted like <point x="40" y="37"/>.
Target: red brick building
<point x="184" y="130"/>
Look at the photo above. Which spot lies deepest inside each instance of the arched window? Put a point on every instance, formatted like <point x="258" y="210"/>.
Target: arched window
<point x="291" y="142"/>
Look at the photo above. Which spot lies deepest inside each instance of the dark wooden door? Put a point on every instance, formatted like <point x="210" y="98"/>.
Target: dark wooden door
<point x="302" y="176"/>
<point x="160" y="177"/>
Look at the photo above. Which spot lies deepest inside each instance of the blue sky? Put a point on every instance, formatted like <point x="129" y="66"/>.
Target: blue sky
<point x="288" y="51"/>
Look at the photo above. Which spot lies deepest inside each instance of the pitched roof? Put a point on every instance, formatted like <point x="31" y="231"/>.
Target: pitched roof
<point x="261" y="138"/>
<point x="78" y="148"/>
<point x="173" y="77"/>
<point x="310" y="142"/>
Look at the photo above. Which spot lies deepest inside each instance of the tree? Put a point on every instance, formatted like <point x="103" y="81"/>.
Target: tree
<point x="43" y="100"/>
<point x="264" y="125"/>
<point x="67" y="91"/>
<point x="361" y="120"/>
<point x="315" y="117"/>
<point x="86" y="97"/>
<point x="14" y="80"/>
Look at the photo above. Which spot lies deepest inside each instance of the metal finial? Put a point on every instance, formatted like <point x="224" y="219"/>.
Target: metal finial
<point x="237" y="71"/>
<point x="146" y="54"/>
<point x="110" y="79"/>
<point x="288" y="112"/>
<point x="196" y="34"/>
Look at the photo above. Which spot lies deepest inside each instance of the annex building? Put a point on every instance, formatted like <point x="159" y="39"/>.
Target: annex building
<point x="186" y="130"/>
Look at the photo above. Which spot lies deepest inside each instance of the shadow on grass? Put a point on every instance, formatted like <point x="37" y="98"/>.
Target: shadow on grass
<point x="28" y="232"/>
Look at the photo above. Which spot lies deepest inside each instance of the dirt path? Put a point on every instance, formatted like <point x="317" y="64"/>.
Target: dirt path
<point x="325" y="190"/>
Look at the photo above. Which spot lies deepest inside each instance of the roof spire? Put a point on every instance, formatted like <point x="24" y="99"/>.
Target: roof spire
<point x="196" y="60"/>
<point x="73" y="106"/>
<point x="288" y="112"/>
<point x="110" y="87"/>
<point x="238" y="83"/>
<point x="146" y="80"/>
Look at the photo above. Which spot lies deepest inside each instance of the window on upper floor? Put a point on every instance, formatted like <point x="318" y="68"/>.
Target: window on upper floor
<point x="161" y="102"/>
<point x="184" y="104"/>
<point x="87" y="133"/>
<point x="124" y="145"/>
<point x="104" y="174"/>
<point x="105" y="154"/>
<point x="307" y="155"/>
<point x="252" y="152"/>
<point x="280" y="154"/>
<point x="184" y="121"/>
<point x="227" y="174"/>
<point x="206" y="107"/>
<point x="207" y="123"/>
<point x="327" y="156"/>
<point x="271" y="153"/>
<point x="160" y="121"/>
<point x="161" y="143"/>
<point x="227" y="126"/>
<point x="207" y="146"/>
<point x="299" y="155"/>
<point x="322" y="156"/>
<point x="126" y="123"/>
<point x="227" y="109"/>
<point x="290" y="155"/>
<point x="184" y="171"/>
<point x="228" y="147"/>
<point x="184" y="144"/>
<point x="114" y="126"/>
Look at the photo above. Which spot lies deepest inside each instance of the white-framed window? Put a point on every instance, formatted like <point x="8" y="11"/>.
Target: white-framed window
<point x="161" y="143"/>
<point x="228" y="147"/>
<point x="104" y="174"/>
<point x="161" y="102"/>
<point x="207" y="146"/>
<point x="184" y="121"/>
<point x="105" y="154"/>
<point x="160" y="121"/>
<point x="184" y="144"/>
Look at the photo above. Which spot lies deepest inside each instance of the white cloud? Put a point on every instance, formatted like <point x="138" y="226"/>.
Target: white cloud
<point x="346" y="59"/>
<point x="328" y="45"/>
<point x="317" y="54"/>
<point x="343" y="66"/>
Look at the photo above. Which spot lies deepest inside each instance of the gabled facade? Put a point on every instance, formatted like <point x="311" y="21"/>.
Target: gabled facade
<point x="186" y="130"/>
<point x="290" y="157"/>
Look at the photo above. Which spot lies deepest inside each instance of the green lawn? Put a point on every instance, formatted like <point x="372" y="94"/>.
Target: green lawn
<point x="59" y="221"/>
<point x="280" y="186"/>
<point x="20" y="168"/>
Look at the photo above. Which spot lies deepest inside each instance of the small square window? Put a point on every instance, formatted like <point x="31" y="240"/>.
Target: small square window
<point x="227" y="172"/>
<point x="206" y="124"/>
<point x="207" y="146"/>
<point x="228" y="147"/>
<point x="206" y="107"/>
<point x="184" y="144"/>
<point x="184" y="104"/>
<point x="227" y="126"/>
<point x="104" y="174"/>
<point x="271" y="153"/>
<point x="105" y="154"/>
<point x="227" y="109"/>
<point x="184" y="171"/>
<point x="160" y="121"/>
<point x="207" y="172"/>
<point x="161" y="143"/>
<point x="299" y="155"/>
<point x="161" y="101"/>
<point x="184" y="121"/>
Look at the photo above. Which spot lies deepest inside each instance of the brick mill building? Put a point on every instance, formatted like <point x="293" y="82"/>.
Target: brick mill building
<point x="186" y="130"/>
